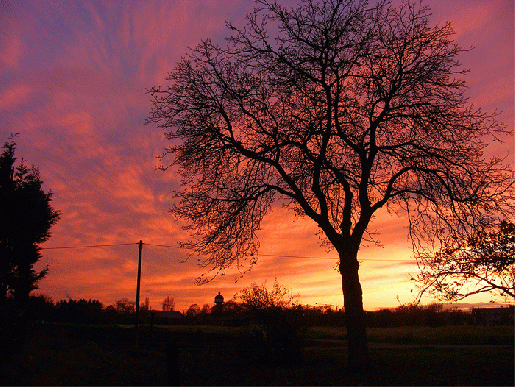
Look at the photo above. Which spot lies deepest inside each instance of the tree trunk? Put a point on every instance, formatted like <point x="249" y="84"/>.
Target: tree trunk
<point x="354" y="313"/>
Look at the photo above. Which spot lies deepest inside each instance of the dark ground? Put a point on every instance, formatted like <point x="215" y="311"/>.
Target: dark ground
<point x="59" y="354"/>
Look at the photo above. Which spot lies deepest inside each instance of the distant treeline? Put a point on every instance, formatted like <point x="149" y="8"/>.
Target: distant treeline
<point x="234" y="314"/>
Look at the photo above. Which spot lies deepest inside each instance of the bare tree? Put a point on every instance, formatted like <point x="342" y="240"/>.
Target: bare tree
<point x="337" y="109"/>
<point x="125" y="306"/>
<point x="482" y="262"/>
<point x="146" y="305"/>
<point x="168" y="303"/>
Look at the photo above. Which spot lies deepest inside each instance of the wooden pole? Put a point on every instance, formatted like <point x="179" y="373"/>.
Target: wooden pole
<point x="137" y="293"/>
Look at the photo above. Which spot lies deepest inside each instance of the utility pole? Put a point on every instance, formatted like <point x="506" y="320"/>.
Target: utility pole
<point x="137" y="293"/>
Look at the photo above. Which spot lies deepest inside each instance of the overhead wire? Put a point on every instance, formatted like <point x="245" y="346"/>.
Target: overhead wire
<point x="86" y="246"/>
<point x="261" y="255"/>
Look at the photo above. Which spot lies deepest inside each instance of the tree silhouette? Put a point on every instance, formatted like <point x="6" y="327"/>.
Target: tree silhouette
<point x="125" y="306"/>
<point x="25" y="220"/>
<point x="168" y="303"/>
<point x="337" y="109"/>
<point x="478" y="263"/>
<point x="27" y="217"/>
<point x="193" y="310"/>
<point x="259" y="297"/>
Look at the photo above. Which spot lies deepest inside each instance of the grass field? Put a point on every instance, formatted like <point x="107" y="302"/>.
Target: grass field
<point x="60" y="354"/>
<point x="444" y="335"/>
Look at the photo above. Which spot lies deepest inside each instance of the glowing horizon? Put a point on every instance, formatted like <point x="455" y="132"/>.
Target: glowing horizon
<point x="73" y="78"/>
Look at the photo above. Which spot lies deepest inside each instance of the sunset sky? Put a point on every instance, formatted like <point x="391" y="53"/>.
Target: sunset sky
<point x="73" y="81"/>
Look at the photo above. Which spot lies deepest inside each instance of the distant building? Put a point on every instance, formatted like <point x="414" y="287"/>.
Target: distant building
<point x="493" y="316"/>
<point x="219" y="300"/>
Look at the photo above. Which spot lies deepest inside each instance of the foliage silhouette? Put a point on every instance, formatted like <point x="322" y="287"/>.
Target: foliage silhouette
<point x="80" y="311"/>
<point x="477" y="263"/>
<point x="168" y="303"/>
<point x="42" y="309"/>
<point x="282" y="324"/>
<point x="259" y="297"/>
<point x="125" y="306"/>
<point x="337" y="109"/>
<point x="26" y="218"/>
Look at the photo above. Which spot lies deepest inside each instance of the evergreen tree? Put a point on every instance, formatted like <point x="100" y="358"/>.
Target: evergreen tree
<point x="26" y="219"/>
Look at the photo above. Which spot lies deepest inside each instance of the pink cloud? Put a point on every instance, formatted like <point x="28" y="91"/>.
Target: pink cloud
<point x="13" y="23"/>
<point x="16" y="95"/>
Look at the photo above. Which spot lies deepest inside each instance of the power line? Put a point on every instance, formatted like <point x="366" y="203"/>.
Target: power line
<point x="102" y="245"/>
<point x="259" y="255"/>
<point x="152" y="244"/>
<point x="87" y="246"/>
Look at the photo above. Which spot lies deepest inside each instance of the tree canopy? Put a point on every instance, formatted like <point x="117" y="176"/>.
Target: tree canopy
<point x="336" y="108"/>
<point x="259" y="297"/>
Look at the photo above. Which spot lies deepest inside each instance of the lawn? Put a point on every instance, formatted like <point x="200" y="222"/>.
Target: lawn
<point x="60" y="354"/>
